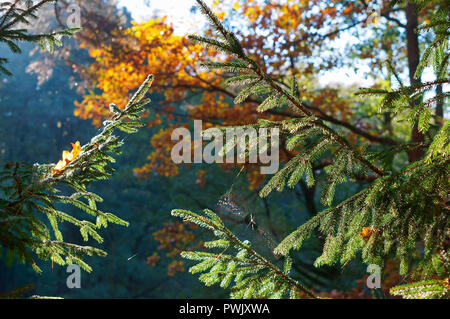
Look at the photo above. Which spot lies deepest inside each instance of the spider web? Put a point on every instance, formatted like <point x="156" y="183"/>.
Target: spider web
<point x="231" y="207"/>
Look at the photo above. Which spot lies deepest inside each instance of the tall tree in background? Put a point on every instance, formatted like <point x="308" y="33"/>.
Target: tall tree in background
<point x="102" y="24"/>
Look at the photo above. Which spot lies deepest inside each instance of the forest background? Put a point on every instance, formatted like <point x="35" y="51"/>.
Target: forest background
<point x="55" y="99"/>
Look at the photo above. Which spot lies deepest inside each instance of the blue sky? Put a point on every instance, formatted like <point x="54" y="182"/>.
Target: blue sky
<point x="141" y="10"/>
<point x="178" y="11"/>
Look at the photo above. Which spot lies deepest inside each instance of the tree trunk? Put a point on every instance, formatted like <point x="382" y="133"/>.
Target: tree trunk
<point x="439" y="106"/>
<point x="413" y="62"/>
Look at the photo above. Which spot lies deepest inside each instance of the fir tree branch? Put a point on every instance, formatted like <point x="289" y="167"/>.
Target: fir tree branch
<point x="27" y="191"/>
<point x="20" y="17"/>
<point x="214" y="224"/>
<point x="252" y="66"/>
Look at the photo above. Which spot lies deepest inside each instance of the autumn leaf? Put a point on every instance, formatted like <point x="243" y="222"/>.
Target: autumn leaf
<point x="367" y="232"/>
<point x="67" y="157"/>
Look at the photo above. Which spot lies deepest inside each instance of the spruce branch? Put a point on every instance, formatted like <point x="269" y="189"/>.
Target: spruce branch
<point x="28" y="192"/>
<point x="247" y="261"/>
<point x="15" y="17"/>
<point x="399" y="208"/>
<point x="266" y="84"/>
<point x="429" y="289"/>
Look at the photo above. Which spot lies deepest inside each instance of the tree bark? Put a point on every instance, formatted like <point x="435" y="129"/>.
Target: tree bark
<point x="413" y="62"/>
<point x="439" y="105"/>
